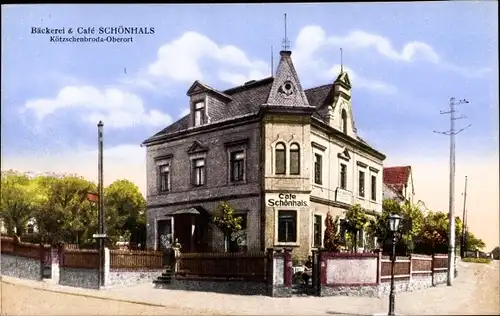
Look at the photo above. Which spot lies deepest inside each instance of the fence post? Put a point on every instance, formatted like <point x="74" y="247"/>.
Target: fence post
<point x="176" y="258"/>
<point x="41" y="257"/>
<point x="432" y="269"/>
<point x="379" y="265"/>
<point x="288" y="268"/>
<point x="411" y="266"/>
<point x="270" y="271"/>
<point x="322" y="271"/>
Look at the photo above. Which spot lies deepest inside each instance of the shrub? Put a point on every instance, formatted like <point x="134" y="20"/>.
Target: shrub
<point x="477" y="260"/>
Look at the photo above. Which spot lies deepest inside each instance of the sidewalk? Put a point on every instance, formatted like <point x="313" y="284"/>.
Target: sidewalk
<point x="475" y="291"/>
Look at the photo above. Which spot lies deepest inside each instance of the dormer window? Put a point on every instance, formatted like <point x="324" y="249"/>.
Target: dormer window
<point x="199" y="113"/>
<point x="344" y="121"/>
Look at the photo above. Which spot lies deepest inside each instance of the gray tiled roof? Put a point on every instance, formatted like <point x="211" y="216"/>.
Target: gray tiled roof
<point x="247" y="99"/>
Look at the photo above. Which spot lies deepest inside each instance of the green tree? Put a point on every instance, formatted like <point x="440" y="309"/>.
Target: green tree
<point x="357" y="220"/>
<point x="16" y="203"/>
<point x="410" y="228"/>
<point x="331" y="240"/>
<point x="125" y="209"/>
<point x="225" y="219"/>
<point x="65" y="213"/>
<point x="473" y="243"/>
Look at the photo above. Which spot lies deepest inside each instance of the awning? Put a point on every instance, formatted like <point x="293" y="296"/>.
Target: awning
<point x="190" y="210"/>
<point x="194" y="210"/>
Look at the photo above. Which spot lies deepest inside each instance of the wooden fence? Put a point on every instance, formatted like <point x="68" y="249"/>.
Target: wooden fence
<point x="27" y="250"/>
<point x="135" y="259"/>
<point x="80" y="258"/>
<point x="405" y="267"/>
<point x="250" y="266"/>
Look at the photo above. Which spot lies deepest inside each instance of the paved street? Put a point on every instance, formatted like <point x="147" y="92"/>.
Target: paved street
<point x="475" y="291"/>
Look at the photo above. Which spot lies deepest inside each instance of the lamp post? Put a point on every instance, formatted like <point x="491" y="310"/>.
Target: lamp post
<point x="393" y="223"/>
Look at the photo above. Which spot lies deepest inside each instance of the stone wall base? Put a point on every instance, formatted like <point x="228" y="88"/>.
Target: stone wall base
<point x="118" y="278"/>
<point x="85" y="278"/>
<point x="230" y="287"/>
<point x="21" y="267"/>
<point x="280" y="291"/>
<point x="383" y="289"/>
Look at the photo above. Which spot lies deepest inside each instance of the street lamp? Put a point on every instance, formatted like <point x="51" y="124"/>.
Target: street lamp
<point x="393" y="222"/>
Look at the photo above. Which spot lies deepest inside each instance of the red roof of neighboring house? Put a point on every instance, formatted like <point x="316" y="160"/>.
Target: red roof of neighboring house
<point x="397" y="177"/>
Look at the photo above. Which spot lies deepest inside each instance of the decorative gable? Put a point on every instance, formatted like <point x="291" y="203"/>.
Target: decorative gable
<point x="197" y="147"/>
<point x="344" y="155"/>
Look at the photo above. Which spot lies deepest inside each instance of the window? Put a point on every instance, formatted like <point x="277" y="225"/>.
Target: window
<point x="374" y="188"/>
<point x="343" y="176"/>
<point x="317" y="229"/>
<point x="199" y="172"/>
<point x="237" y="165"/>
<point x="361" y="184"/>
<point x="287" y="226"/>
<point x="317" y="169"/>
<point x="165" y="178"/>
<point x="294" y="159"/>
<point x="199" y="114"/>
<point x="280" y="158"/>
<point x="31" y="229"/>
<point x="344" y="121"/>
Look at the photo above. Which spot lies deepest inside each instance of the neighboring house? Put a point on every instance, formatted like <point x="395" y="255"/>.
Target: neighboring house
<point x="281" y="156"/>
<point x="398" y="184"/>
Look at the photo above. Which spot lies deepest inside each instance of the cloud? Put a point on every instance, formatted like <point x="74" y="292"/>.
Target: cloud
<point x="116" y="107"/>
<point x="364" y="83"/>
<point x="184" y="112"/>
<point x="362" y="39"/>
<point x="311" y="66"/>
<point x="180" y="60"/>
<point x="313" y="38"/>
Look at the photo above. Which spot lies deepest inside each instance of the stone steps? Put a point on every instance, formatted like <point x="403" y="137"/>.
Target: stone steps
<point x="166" y="277"/>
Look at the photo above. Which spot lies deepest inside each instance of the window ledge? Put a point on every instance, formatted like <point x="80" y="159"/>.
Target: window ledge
<point x="287" y="244"/>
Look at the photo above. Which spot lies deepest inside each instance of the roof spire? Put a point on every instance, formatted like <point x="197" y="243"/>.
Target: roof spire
<point x="341" y="62"/>
<point x="272" y="62"/>
<point x="286" y="42"/>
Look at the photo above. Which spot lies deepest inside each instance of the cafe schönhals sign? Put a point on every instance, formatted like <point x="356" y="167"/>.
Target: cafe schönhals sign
<point x="287" y="200"/>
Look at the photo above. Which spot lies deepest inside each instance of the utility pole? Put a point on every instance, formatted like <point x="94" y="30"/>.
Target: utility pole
<point x="463" y="247"/>
<point x="101" y="235"/>
<point x="451" y="216"/>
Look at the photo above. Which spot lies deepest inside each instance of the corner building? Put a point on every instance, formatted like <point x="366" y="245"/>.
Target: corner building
<point x="281" y="156"/>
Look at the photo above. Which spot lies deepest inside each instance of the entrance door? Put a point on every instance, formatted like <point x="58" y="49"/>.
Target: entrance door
<point x="165" y="234"/>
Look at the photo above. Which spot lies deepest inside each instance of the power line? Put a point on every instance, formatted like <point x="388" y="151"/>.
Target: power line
<point x="451" y="225"/>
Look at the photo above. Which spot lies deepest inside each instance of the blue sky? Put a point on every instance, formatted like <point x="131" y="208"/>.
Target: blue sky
<point x="405" y="60"/>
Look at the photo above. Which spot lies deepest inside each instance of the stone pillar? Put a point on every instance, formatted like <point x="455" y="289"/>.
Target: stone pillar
<point x="107" y="262"/>
<point x="278" y="275"/>
<point x="270" y="271"/>
<point x="177" y="253"/>
<point x="288" y="268"/>
<point x="322" y="272"/>
<point x="55" y="254"/>
<point x="379" y="265"/>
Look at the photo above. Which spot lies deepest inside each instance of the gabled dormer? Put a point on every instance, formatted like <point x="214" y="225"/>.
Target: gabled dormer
<point x="339" y="114"/>
<point x="204" y="101"/>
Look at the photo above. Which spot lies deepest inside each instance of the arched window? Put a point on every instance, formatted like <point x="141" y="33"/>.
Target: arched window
<point x="280" y="162"/>
<point x="294" y="159"/>
<point x="344" y="121"/>
<point x="31" y="228"/>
